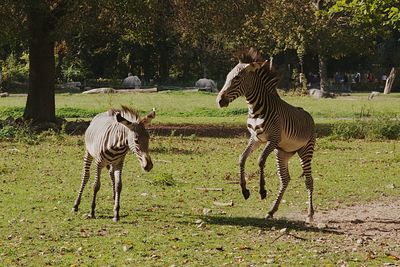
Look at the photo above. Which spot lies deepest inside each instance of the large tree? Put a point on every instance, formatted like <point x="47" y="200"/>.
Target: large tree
<point x="380" y="17"/>
<point x="308" y="28"/>
<point x="39" y="24"/>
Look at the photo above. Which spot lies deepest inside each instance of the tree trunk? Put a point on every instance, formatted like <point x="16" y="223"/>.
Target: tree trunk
<point x="322" y="72"/>
<point x="163" y="64"/>
<point x="389" y="81"/>
<point x="40" y="104"/>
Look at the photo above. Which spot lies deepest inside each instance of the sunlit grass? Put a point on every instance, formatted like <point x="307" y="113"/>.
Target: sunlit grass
<point x="161" y="210"/>
<point x="192" y="107"/>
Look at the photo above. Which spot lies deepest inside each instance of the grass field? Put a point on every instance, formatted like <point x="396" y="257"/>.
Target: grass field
<point x="166" y="220"/>
<point x="200" y="108"/>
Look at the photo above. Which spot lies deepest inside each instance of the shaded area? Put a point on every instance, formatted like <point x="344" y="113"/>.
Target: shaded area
<point x="263" y="223"/>
<point x="79" y="127"/>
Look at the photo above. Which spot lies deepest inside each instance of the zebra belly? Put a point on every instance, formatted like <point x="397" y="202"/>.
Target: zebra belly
<point x="110" y="156"/>
<point x="291" y="145"/>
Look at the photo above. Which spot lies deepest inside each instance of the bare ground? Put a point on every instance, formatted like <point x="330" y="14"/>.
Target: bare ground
<point x="378" y="220"/>
<point x="205" y="130"/>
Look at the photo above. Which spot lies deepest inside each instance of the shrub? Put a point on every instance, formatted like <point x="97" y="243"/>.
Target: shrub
<point x="164" y="179"/>
<point x="15" y="69"/>
<point x="19" y="133"/>
<point x="74" y="71"/>
<point x="374" y="128"/>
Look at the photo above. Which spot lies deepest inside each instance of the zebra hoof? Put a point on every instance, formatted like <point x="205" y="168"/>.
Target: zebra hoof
<point x="246" y="193"/>
<point x="115" y="219"/>
<point x="75" y="209"/>
<point x="309" y="219"/>
<point x="269" y="216"/>
<point x="263" y="194"/>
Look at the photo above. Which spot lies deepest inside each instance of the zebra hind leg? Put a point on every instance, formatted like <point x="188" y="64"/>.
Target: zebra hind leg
<point x="87" y="160"/>
<point x="305" y="159"/>
<point x="112" y="178"/>
<point x="96" y="188"/>
<point x="251" y="146"/>
<point x="118" y="189"/>
<point x="282" y="159"/>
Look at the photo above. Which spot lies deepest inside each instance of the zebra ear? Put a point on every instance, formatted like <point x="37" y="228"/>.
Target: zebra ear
<point x="149" y="117"/>
<point x="265" y="63"/>
<point x="123" y="121"/>
<point x="252" y="67"/>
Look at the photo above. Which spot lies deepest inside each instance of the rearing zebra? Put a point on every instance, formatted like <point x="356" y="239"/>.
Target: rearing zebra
<point x="108" y="138"/>
<point x="271" y="121"/>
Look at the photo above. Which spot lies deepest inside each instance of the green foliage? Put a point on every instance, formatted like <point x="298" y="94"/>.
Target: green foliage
<point x="69" y="112"/>
<point x="375" y="13"/>
<point x="74" y="70"/>
<point x="21" y="133"/>
<point x="375" y="128"/>
<point x="15" y="69"/>
<point x="163" y="179"/>
<point x="13" y="112"/>
<point x="104" y="82"/>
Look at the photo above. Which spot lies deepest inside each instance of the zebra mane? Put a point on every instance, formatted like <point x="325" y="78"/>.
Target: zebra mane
<point x="249" y="56"/>
<point x="126" y="112"/>
<point x="269" y="77"/>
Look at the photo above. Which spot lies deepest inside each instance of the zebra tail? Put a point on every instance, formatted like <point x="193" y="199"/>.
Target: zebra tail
<point x="301" y="175"/>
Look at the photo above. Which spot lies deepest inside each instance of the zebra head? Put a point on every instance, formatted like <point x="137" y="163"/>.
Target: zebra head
<point x="239" y="81"/>
<point x="138" y="138"/>
<point x="231" y="89"/>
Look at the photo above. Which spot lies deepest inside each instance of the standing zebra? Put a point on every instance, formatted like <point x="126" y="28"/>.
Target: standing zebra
<point x="284" y="128"/>
<point x="108" y="138"/>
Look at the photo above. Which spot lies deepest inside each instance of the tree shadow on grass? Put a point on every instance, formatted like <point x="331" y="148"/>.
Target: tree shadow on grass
<point x="267" y="224"/>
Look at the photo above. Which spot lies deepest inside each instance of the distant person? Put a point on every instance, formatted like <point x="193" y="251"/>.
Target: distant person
<point x="357" y="77"/>
<point x="345" y="78"/>
<point x="384" y="78"/>
<point x="370" y="77"/>
<point x="131" y="82"/>
<point x="337" y="77"/>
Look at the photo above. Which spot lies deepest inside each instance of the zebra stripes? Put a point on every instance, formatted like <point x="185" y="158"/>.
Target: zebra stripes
<point x="282" y="127"/>
<point x="108" y="138"/>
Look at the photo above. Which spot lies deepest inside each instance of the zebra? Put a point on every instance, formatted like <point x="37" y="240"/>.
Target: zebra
<point x="108" y="138"/>
<point x="284" y="128"/>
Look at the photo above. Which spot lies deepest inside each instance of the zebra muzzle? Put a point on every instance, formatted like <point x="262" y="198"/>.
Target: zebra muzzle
<point x="147" y="164"/>
<point x="223" y="102"/>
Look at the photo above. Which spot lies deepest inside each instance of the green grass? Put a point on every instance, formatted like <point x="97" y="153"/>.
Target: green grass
<point x="200" y="108"/>
<point x="160" y="210"/>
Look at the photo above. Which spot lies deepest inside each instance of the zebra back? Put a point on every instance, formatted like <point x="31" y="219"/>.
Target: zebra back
<point x="106" y="136"/>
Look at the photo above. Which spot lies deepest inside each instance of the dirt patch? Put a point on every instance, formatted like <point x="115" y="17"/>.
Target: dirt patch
<point x="200" y="130"/>
<point x="379" y="220"/>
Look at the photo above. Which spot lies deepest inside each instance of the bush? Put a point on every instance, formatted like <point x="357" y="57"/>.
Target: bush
<point x="74" y="71"/>
<point x="164" y="179"/>
<point x="380" y="127"/>
<point x="18" y="133"/>
<point x="14" y="70"/>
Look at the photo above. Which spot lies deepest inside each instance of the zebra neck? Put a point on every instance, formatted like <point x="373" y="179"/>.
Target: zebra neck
<point x="261" y="104"/>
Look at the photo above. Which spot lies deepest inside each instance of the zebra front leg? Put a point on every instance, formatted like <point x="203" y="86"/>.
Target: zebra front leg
<point x="261" y="164"/>
<point x="305" y="159"/>
<point x="251" y="146"/>
<point x="282" y="159"/>
<point x="87" y="160"/>
<point x="118" y="187"/>
<point x="96" y="188"/>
